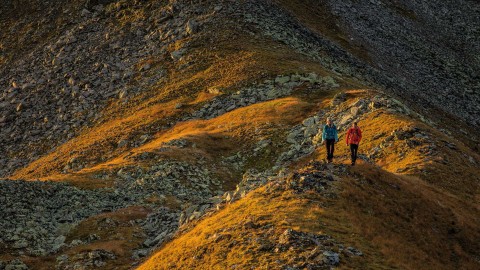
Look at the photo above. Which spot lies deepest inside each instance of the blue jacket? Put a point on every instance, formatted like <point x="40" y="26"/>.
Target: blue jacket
<point x="329" y="133"/>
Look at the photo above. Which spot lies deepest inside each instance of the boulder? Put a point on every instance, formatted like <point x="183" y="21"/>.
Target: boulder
<point x="137" y="254"/>
<point x="331" y="258"/>
<point x="192" y="27"/>
<point x="311" y="130"/>
<point x="214" y="90"/>
<point x="282" y="79"/>
<point x="328" y="80"/>
<point x="295" y="78"/>
<point x="309" y="122"/>
<point x="313" y="78"/>
<point x="338" y="99"/>
<point x="58" y="243"/>
<point x="16" y="264"/>
<point x="345" y="119"/>
<point x="292" y="136"/>
<point x="122" y="143"/>
<point x="145" y="67"/>
<point x="22" y="243"/>
<point x="178" y="54"/>
<point x="122" y="94"/>
<point x="354" y="111"/>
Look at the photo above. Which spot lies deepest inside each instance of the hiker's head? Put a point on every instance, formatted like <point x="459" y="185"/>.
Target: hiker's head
<point x="354" y="124"/>
<point x="329" y="121"/>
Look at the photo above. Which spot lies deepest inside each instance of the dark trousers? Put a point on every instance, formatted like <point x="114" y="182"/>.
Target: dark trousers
<point x="354" y="150"/>
<point x="330" y="144"/>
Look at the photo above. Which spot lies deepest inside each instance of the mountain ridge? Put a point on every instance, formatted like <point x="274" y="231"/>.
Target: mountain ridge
<point x="132" y="128"/>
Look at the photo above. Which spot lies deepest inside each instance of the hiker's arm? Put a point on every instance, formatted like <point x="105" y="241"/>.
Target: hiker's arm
<point x="347" y="136"/>
<point x="359" y="135"/>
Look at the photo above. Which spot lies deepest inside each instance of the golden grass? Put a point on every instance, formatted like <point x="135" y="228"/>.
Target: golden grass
<point x="399" y="222"/>
<point x="223" y="241"/>
<point x="83" y="180"/>
<point x="413" y="224"/>
<point x="101" y="138"/>
<point x="459" y="176"/>
<point x="227" y="67"/>
<point x="222" y="136"/>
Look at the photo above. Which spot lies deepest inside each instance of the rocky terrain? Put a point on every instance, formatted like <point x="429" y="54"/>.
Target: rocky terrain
<point x="180" y="135"/>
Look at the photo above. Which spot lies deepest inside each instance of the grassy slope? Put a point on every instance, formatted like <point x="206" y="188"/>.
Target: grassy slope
<point x="459" y="176"/>
<point x="414" y="225"/>
<point x="201" y="248"/>
<point x="219" y="137"/>
<point x="399" y="221"/>
<point x="147" y="114"/>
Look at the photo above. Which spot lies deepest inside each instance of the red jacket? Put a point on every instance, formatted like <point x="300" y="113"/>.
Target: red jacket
<point x="354" y="135"/>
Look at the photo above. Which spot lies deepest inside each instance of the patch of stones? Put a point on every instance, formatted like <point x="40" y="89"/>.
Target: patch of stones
<point x="251" y="180"/>
<point x="317" y="176"/>
<point x="272" y="21"/>
<point x="15" y="264"/>
<point x="419" y="45"/>
<point x="281" y="86"/>
<point x="416" y="70"/>
<point x="36" y="216"/>
<point x="317" y="181"/>
<point x="410" y="137"/>
<point x="159" y="227"/>
<point x="97" y="258"/>
<point x="62" y="85"/>
<point x="313" y="251"/>
<point x="192" y="187"/>
<point x="300" y="141"/>
<point x="185" y="181"/>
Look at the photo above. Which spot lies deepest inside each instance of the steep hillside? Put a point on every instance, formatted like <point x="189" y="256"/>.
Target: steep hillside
<point x="367" y="219"/>
<point x="186" y="134"/>
<point x="426" y="49"/>
<point x="423" y="217"/>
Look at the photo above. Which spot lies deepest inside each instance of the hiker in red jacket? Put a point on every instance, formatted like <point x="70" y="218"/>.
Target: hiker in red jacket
<point x="354" y="136"/>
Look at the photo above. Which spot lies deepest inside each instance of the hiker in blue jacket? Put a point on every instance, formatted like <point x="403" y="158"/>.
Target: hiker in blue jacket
<point x="329" y="138"/>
